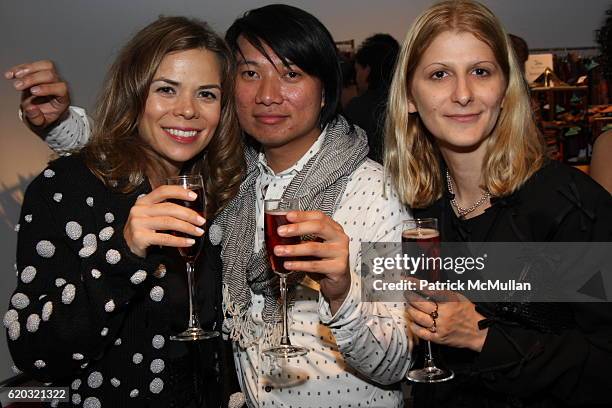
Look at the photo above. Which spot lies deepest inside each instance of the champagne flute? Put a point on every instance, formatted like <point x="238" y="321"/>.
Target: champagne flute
<point x="194" y="183"/>
<point x="424" y="232"/>
<point x="275" y="215"/>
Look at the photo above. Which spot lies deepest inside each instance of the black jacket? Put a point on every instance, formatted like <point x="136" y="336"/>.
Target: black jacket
<point x="562" y="356"/>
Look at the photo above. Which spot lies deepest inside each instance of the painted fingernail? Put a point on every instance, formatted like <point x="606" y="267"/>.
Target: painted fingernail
<point x="189" y="241"/>
<point x="201" y="220"/>
<point x="199" y="230"/>
<point x="193" y="195"/>
<point x="18" y="84"/>
<point x="35" y="89"/>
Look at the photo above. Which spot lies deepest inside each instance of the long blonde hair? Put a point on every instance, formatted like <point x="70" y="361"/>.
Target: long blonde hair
<point x="412" y="159"/>
<point x="120" y="157"/>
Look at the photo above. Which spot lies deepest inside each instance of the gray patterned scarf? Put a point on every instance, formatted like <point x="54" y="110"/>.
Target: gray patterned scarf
<point x="319" y="185"/>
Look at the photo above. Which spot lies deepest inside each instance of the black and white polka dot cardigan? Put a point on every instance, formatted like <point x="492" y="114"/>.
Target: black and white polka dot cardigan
<point x="85" y="312"/>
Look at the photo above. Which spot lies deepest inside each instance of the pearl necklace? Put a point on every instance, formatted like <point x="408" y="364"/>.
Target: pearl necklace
<point x="460" y="210"/>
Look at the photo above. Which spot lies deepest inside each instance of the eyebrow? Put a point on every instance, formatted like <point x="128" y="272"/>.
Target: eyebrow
<point x="290" y="65"/>
<point x="446" y="65"/>
<point x="247" y="62"/>
<point x="175" y="83"/>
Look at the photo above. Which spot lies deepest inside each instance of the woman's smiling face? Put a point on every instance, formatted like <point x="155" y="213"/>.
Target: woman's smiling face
<point x="457" y="89"/>
<point x="183" y="106"/>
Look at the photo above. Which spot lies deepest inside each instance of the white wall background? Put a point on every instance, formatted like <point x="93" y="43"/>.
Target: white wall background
<point x="82" y="36"/>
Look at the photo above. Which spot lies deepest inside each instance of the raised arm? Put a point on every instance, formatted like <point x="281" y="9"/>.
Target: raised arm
<point x="45" y="106"/>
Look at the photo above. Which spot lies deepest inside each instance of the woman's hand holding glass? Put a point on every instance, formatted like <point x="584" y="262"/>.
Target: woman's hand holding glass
<point x="152" y="218"/>
<point x="456" y="324"/>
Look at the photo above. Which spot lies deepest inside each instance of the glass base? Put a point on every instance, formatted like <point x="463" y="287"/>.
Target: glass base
<point x="286" y="351"/>
<point x="194" y="334"/>
<point x="430" y="375"/>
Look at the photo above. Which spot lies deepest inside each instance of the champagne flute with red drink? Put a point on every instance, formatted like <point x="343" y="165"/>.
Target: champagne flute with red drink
<point x="425" y="234"/>
<point x="190" y="254"/>
<point x="275" y="213"/>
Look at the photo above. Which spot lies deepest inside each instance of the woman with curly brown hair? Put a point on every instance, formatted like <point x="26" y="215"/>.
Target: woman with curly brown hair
<point x="98" y="296"/>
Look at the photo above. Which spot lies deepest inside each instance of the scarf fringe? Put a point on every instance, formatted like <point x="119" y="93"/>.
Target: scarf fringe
<point x="240" y="327"/>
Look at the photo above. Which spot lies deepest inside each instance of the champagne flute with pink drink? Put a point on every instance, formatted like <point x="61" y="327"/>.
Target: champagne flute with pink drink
<point x="275" y="213"/>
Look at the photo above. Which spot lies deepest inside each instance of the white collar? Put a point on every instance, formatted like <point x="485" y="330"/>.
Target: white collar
<point x="293" y="170"/>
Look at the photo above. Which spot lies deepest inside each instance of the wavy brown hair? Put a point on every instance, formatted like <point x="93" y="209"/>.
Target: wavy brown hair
<point x="120" y="157"/>
<point x="412" y="158"/>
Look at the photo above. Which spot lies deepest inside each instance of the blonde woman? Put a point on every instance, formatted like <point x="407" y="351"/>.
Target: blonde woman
<point x="462" y="146"/>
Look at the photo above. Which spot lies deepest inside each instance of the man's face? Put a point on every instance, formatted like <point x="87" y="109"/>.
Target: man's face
<point x="278" y="106"/>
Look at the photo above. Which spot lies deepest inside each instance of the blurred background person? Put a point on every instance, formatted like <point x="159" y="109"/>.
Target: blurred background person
<point x="600" y="168"/>
<point x="374" y="64"/>
<point x="349" y="88"/>
<point x="519" y="45"/>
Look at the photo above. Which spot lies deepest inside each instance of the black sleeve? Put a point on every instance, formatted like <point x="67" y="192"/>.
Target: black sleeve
<point x="75" y="280"/>
<point x="568" y="366"/>
<point x="573" y="365"/>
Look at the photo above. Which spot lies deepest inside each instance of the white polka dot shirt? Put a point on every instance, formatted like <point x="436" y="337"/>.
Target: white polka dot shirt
<point x="363" y="343"/>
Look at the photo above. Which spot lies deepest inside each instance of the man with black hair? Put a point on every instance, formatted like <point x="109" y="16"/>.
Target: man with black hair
<point x="374" y="65"/>
<point x="287" y="96"/>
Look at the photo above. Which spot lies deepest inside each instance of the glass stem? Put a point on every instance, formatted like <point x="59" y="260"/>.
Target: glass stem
<point x="283" y="291"/>
<point x="429" y="356"/>
<point x="193" y="318"/>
